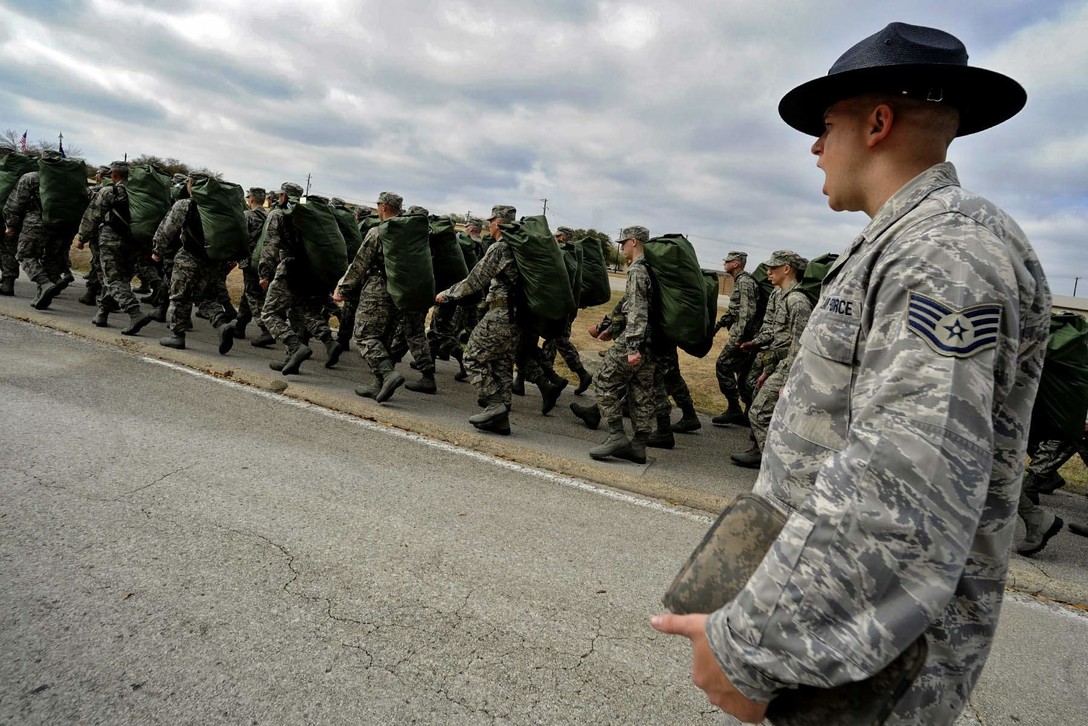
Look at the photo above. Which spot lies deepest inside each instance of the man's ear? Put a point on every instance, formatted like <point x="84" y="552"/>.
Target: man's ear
<point x="880" y="122"/>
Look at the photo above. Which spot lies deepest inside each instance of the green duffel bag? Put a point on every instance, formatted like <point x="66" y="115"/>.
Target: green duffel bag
<point x="148" y="202"/>
<point x="1062" y="402"/>
<point x="815" y="272"/>
<point x="325" y="257"/>
<point x="255" y="256"/>
<point x="12" y="168"/>
<point x="681" y="310"/>
<point x="572" y="258"/>
<point x="699" y="350"/>
<point x="596" y="288"/>
<point x="349" y="229"/>
<point x="545" y="285"/>
<point x="63" y="190"/>
<point x="408" y="271"/>
<point x="216" y="222"/>
<point x="446" y="258"/>
<point x="468" y="250"/>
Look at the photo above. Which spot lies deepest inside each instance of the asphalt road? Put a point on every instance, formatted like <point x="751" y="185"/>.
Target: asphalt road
<point x="177" y="548"/>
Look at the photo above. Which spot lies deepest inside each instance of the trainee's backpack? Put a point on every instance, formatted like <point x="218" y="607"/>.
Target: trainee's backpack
<point x="408" y="271"/>
<point x="447" y="259"/>
<point x="1062" y="402"/>
<point x="595" y="288"/>
<point x="815" y="272"/>
<point x="572" y="257"/>
<point x="468" y="249"/>
<point x="324" y="253"/>
<point x="149" y="202"/>
<point x="545" y="285"/>
<point x="62" y="185"/>
<point x="349" y="228"/>
<point x="216" y="222"/>
<point x="12" y="168"/>
<point x="680" y="313"/>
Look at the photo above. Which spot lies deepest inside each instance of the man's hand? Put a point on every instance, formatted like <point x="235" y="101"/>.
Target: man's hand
<point x="604" y="335"/>
<point x="78" y="242"/>
<point x="264" y="284"/>
<point x="762" y="379"/>
<point x="337" y="297"/>
<point x="594" y="332"/>
<point x="155" y="257"/>
<point x="750" y="345"/>
<point x="9" y="231"/>
<point x="440" y="299"/>
<point x="705" y="671"/>
<point x="634" y="358"/>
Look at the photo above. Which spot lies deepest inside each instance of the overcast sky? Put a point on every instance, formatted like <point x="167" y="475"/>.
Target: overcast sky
<point x="655" y="113"/>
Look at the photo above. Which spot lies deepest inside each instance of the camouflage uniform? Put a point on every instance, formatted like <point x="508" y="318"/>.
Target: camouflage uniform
<point x="617" y="379"/>
<point x="1042" y="477"/>
<point x="35" y="245"/>
<point x="493" y="344"/>
<point x="253" y="294"/>
<point x="108" y="213"/>
<point x="376" y="315"/>
<point x="193" y="277"/>
<point x="288" y="288"/>
<point x="897" y="450"/>
<point x="742" y="321"/>
<point x="791" y="315"/>
<point x="668" y="381"/>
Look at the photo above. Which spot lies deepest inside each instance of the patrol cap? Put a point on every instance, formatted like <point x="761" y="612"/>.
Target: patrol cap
<point x="337" y="202"/>
<point x="503" y="212"/>
<point x="567" y="231"/>
<point x="178" y="179"/>
<point x="51" y="154"/>
<point x="474" y="222"/>
<point x="640" y="233"/>
<point x="103" y="170"/>
<point x="119" y="167"/>
<point x="735" y="256"/>
<point x="291" y="189"/>
<point x="786" y="257"/>
<point x="257" y="193"/>
<point x="315" y="199"/>
<point x="393" y="200"/>
<point x="416" y="210"/>
<point x="196" y="176"/>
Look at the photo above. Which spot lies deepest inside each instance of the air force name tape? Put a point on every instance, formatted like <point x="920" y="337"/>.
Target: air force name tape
<point x="954" y="333"/>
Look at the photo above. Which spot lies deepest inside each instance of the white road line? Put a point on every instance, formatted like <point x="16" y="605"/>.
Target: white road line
<point x="442" y="445"/>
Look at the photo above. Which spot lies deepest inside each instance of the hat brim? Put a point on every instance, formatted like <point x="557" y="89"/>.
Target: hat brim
<point x="984" y="98"/>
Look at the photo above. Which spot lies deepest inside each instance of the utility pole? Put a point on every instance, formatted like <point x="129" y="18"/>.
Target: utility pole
<point x="1075" y="281"/>
<point x="60" y="142"/>
<point x="545" y="200"/>
<point x="308" y="184"/>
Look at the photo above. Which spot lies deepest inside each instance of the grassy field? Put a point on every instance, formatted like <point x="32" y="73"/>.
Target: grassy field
<point x="698" y="372"/>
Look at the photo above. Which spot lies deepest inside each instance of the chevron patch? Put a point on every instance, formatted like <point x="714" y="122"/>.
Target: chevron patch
<point x="954" y="333"/>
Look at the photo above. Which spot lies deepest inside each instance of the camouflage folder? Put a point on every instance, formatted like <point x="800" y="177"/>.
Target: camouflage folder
<point x="716" y="572"/>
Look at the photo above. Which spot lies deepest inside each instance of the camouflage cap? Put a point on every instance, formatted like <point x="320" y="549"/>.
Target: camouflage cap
<point x="6" y="148"/>
<point x="393" y="200"/>
<point x="365" y="210"/>
<point x="415" y="210"/>
<point x="503" y="213"/>
<point x="735" y="256"/>
<point x="196" y="176"/>
<point x="474" y="222"/>
<point x="291" y="189"/>
<point x="567" y="231"/>
<point x="786" y="257"/>
<point x="178" y="179"/>
<point x="257" y="193"/>
<point x="119" y="167"/>
<point x="316" y="199"/>
<point x="640" y="233"/>
<point x="337" y="202"/>
<point x="103" y="170"/>
<point x="51" y="154"/>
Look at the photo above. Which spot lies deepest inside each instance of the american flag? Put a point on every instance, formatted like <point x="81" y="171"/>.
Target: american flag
<point x="22" y="143"/>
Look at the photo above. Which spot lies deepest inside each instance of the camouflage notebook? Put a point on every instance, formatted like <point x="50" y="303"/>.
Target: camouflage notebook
<point x="716" y="572"/>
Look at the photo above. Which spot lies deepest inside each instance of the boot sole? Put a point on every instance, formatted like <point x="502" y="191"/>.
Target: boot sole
<point x="291" y="367"/>
<point x="388" y="389"/>
<point x="137" y="326"/>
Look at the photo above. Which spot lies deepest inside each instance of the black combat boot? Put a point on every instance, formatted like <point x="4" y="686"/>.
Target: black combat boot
<point x="458" y="354"/>
<point x="495" y="418"/>
<point x="66" y="279"/>
<point x="142" y="289"/>
<point x="333" y="351"/>
<point x="426" y="383"/>
<point x="240" y="328"/>
<point x="89" y="296"/>
<point x="733" y="414"/>
<point x="585" y="380"/>
<point x="226" y="338"/>
<point x="137" y="320"/>
<point x="662" y="438"/>
<point x="549" y="394"/>
<point x="518" y="388"/>
<point x="750" y="459"/>
<point x="689" y="422"/>
<point x="175" y="340"/>
<point x="7" y="287"/>
<point x="101" y="317"/>
<point x="46" y="292"/>
<point x="588" y="412"/>
<point x="370" y="391"/>
<point x="297" y="352"/>
<point x="264" y="340"/>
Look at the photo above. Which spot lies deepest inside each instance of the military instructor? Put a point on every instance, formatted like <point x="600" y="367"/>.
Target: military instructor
<point x="897" y="448"/>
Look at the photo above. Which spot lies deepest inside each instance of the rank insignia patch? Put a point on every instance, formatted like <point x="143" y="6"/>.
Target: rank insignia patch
<point x="956" y="333"/>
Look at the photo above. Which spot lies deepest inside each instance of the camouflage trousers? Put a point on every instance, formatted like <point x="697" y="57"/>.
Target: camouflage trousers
<point x="282" y="303"/>
<point x="346" y="316"/>
<point x="442" y="329"/>
<point x="118" y="263"/>
<point x="148" y="272"/>
<point x="95" y="278"/>
<point x="9" y="266"/>
<point x="669" y="382"/>
<point x="192" y="281"/>
<point x="561" y="344"/>
<point x="42" y="253"/>
<point x="466" y="319"/>
<point x="762" y="407"/>
<point x="617" y="379"/>
<point x="375" y="323"/>
<point x="252" y="302"/>
<point x="410" y="334"/>
<point x="530" y="360"/>
<point x="731" y="370"/>
<point x="1042" y="475"/>
<point x="490" y="353"/>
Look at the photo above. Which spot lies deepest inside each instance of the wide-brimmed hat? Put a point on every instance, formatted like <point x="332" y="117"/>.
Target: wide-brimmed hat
<point x="913" y="61"/>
